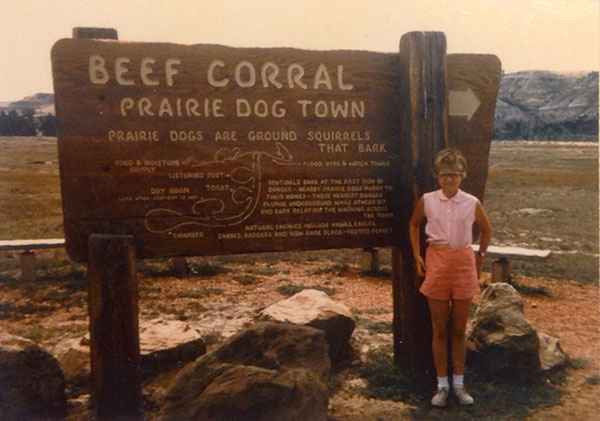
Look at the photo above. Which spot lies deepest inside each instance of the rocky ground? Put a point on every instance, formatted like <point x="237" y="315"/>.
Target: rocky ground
<point x="220" y="298"/>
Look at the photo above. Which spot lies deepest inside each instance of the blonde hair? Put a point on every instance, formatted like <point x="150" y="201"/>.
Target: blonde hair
<point x="451" y="157"/>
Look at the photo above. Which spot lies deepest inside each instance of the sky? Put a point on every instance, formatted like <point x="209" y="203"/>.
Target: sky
<point x="555" y="35"/>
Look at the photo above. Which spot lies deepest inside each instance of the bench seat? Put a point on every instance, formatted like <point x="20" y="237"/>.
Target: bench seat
<point x="515" y="253"/>
<point x="45" y="243"/>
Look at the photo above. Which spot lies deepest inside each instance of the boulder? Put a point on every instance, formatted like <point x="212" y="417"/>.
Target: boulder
<point x="75" y="364"/>
<point x="272" y="371"/>
<point x="164" y="345"/>
<point x="164" y="359"/>
<point x="315" y="308"/>
<point x="502" y="342"/>
<point x="551" y="354"/>
<point x="32" y="384"/>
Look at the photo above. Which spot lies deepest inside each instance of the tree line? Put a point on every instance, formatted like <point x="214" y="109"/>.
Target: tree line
<point x="24" y="122"/>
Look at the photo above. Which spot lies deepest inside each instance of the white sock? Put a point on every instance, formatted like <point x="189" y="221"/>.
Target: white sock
<point x="443" y="383"/>
<point x="458" y="381"/>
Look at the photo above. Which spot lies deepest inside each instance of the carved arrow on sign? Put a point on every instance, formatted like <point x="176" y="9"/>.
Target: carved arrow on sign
<point x="463" y="103"/>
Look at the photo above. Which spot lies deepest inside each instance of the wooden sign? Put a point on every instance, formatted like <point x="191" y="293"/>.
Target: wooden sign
<point x="473" y="83"/>
<point x="207" y="150"/>
<point x="424" y="110"/>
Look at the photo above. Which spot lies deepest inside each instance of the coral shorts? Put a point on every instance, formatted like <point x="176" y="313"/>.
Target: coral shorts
<point x="450" y="274"/>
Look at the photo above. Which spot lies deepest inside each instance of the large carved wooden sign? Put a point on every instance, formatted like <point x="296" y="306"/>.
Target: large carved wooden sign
<point x="205" y="149"/>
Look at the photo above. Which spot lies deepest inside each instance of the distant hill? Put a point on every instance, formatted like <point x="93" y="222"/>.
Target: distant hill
<point x="31" y="116"/>
<point x="42" y="104"/>
<point x="547" y="105"/>
<point x="531" y="105"/>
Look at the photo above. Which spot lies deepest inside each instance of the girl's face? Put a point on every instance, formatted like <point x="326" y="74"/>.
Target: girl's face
<point x="449" y="178"/>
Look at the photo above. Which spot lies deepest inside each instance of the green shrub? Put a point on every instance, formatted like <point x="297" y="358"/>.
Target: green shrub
<point x="245" y="279"/>
<point x="292" y="289"/>
<point x="375" y="327"/>
<point x="267" y="271"/>
<point x="207" y="269"/>
<point x="337" y="268"/>
<point x="5" y="310"/>
<point x="154" y="270"/>
<point x="378" y="310"/>
<point x="5" y="277"/>
<point x="386" y="380"/>
<point x="8" y="310"/>
<point x="199" y="293"/>
<point x="578" y="363"/>
<point x="527" y="290"/>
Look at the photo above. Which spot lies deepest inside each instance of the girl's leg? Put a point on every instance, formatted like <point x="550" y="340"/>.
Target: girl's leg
<point x="460" y="314"/>
<point x="439" y="320"/>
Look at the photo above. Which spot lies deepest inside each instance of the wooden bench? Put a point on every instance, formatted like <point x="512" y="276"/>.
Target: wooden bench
<point x="501" y="267"/>
<point x="27" y="257"/>
<point x="28" y="245"/>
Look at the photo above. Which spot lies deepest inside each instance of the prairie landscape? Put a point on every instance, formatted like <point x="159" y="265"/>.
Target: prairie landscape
<point x="541" y="195"/>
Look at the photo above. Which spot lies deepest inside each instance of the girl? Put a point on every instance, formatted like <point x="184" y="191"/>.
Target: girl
<point x="450" y="269"/>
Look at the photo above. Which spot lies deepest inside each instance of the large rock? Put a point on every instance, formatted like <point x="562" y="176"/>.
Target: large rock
<point x="164" y="345"/>
<point x="502" y="342"/>
<point x="272" y="371"/>
<point x="32" y="384"/>
<point x="75" y="363"/>
<point x="315" y="308"/>
<point x="551" y="354"/>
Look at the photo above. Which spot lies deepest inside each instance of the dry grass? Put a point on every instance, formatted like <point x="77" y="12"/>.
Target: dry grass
<point x="545" y="195"/>
<point x="30" y="204"/>
<point x="539" y="195"/>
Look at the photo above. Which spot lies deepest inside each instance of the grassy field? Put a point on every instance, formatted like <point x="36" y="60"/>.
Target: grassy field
<point x="539" y="195"/>
<point x="30" y="205"/>
<point x="545" y="195"/>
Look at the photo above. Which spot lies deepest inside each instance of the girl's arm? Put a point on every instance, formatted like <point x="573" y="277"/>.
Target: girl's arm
<point x="485" y="228"/>
<point x="414" y="232"/>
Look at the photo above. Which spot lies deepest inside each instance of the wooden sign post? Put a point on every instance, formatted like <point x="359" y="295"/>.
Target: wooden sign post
<point x="114" y="326"/>
<point x="113" y="311"/>
<point x="451" y="104"/>
<point x="423" y="121"/>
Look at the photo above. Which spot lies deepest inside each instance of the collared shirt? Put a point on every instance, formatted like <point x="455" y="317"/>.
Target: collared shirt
<point x="449" y="220"/>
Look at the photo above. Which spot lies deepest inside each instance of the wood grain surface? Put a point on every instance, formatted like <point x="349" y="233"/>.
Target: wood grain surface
<point x="424" y="122"/>
<point x="114" y="326"/>
<point x="157" y="151"/>
<point x="479" y="73"/>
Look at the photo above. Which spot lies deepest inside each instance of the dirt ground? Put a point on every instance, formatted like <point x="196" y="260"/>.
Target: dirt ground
<point x="227" y="296"/>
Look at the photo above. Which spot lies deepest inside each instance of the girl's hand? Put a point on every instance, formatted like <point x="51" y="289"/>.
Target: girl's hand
<point x="478" y="265"/>
<point x="420" y="264"/>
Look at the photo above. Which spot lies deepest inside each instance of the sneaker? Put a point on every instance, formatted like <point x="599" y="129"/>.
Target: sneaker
<point x="463" y="397"/>
<point x="440" y="398"/>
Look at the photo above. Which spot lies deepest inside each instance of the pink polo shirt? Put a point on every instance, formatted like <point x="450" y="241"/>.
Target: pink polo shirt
<point x="449" y="220"/>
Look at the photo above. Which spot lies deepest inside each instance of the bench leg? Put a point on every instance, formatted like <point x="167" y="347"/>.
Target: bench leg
<point x="369" y="260"/>
<point x="500" y="270"/>
<point x="180" y="265"/>
<point x="27" y="265"/>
